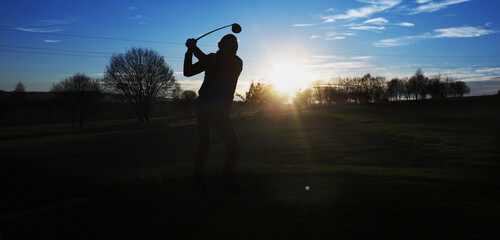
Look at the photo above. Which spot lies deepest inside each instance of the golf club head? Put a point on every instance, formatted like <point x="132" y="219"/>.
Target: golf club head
<point x="236" y="28"/>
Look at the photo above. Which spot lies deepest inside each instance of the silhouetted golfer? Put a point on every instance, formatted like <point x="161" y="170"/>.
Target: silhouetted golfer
<point x="222" y="70"/>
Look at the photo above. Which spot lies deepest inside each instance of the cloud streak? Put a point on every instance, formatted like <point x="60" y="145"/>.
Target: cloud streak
<point x="141" y="19"/>
<point x="304" y="24"/>
<point x="367" y="28"/>
<point x="452" y="32"/>
<point x="333" y="36"/>
<point x="406" y="24"/>
<point x="431" y="6"/>
<point x="39" y="30"/>
<point x="379" y="20"/>
<point x="374" y="7"/>
<point x="51" y="22"/>
<point x="460" y="32"/>
<point x="51" y="41"/>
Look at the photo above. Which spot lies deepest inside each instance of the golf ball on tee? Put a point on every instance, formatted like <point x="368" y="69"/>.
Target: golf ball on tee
<point x="307" y="188"/>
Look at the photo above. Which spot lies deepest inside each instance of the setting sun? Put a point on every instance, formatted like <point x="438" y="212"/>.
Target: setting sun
<point x="288" y="77"/>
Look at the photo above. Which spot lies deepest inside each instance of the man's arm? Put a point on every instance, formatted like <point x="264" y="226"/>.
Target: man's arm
<point x="191" y="69"/>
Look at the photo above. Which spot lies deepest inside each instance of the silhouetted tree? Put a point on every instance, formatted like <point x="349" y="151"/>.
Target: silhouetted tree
<point x="142" y="76"/>
<point x="395" y="88"/>
<point x="460" y="88"/>
<point x="79" y="93"/>
<point x="189" y="96"/>
<point x="255" y="95"/>
<point x="377" y="89"/>
<point x="273" y="98"/>
<point x="175" y="91"/>
<point x="448" y="86"/>
<point x="261" y="94"/>
<point x="436" y="88"/>
<point x="347" y="88"/>
<point x="417" y="85"/>
<point x="303" y="98"/>
<point x="188" y="102"/>
<point x="318" y="88"/>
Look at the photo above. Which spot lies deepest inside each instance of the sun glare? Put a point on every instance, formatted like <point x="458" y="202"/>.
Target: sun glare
<point x="288" y="77"/>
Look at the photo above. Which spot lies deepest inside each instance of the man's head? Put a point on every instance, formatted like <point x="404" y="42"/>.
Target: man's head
<point x="228" y="44"/>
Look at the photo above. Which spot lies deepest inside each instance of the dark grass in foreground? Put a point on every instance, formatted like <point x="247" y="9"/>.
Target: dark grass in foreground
<point x="409" y="170"/>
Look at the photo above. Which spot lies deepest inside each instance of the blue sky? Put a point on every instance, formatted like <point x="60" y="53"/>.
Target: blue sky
<point x="43" y="42"/>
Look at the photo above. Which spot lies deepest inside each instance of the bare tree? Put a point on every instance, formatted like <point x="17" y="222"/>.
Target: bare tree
<point x="460" y="88"/>
<point x="395" y="88"/>
<point x="142" y="76"/>
<point x="418" y="84"/>
<point x="318" y="87"/>
<point x="436" y="88"/>
<point x="175" y="92"/>
<point x="79" y="93"/>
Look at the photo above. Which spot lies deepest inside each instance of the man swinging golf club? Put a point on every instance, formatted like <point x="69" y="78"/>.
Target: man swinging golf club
<point x="222" y="70"/>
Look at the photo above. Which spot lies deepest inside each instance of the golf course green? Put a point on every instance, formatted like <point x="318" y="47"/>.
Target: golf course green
<point x="396" y="170"/>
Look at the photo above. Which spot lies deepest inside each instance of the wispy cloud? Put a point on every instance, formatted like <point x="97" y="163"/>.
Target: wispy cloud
<point x="485" y="70"/>
<point x="406" y="24"/>
<point x="349" y="34"/>
<point x="39" y="30"/>
<point x="423" y="1"/>
<point x="379" y="20"/>
<point x="322" y="58"/>
<point x="304" y="24"/>
<point x="138" y="17"/>
<point x="376" y="24"/>
<point x="452" y="32"/>
<point x="51" y="22"/>
<point x="141" y="19"/>
<point x="361" y="58"/>
<point x="431" y="6"/>
<point x="333" y="36"/>
<point x="51" y="41"/>
<point x="367" y="27"/>
<point x="374" y="7"/>
<point x="45" y="25"/>
<point x="132" y="8"/>
<point x="391" y="42"/>
<point x="460" y="32"/>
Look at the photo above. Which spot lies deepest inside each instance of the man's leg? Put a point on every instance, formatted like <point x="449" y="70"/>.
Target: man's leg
<point x="203" y="145"/>
<point x="228" y="134"/>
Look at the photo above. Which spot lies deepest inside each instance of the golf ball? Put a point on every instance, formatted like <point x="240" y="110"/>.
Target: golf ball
<point x="307" y="188"/>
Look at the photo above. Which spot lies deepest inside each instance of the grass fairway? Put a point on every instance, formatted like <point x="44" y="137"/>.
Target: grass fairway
<point x="404" y="170"/>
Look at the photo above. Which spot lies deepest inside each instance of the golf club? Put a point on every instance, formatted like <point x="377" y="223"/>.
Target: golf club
<point x="236" y="28"/>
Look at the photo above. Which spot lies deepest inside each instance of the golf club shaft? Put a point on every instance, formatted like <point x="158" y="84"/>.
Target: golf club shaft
<point x="214" y="31"/>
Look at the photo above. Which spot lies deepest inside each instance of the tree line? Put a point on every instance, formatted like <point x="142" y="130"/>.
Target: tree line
<point x="140" y="77"/>
<point x="359" y="90"/>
